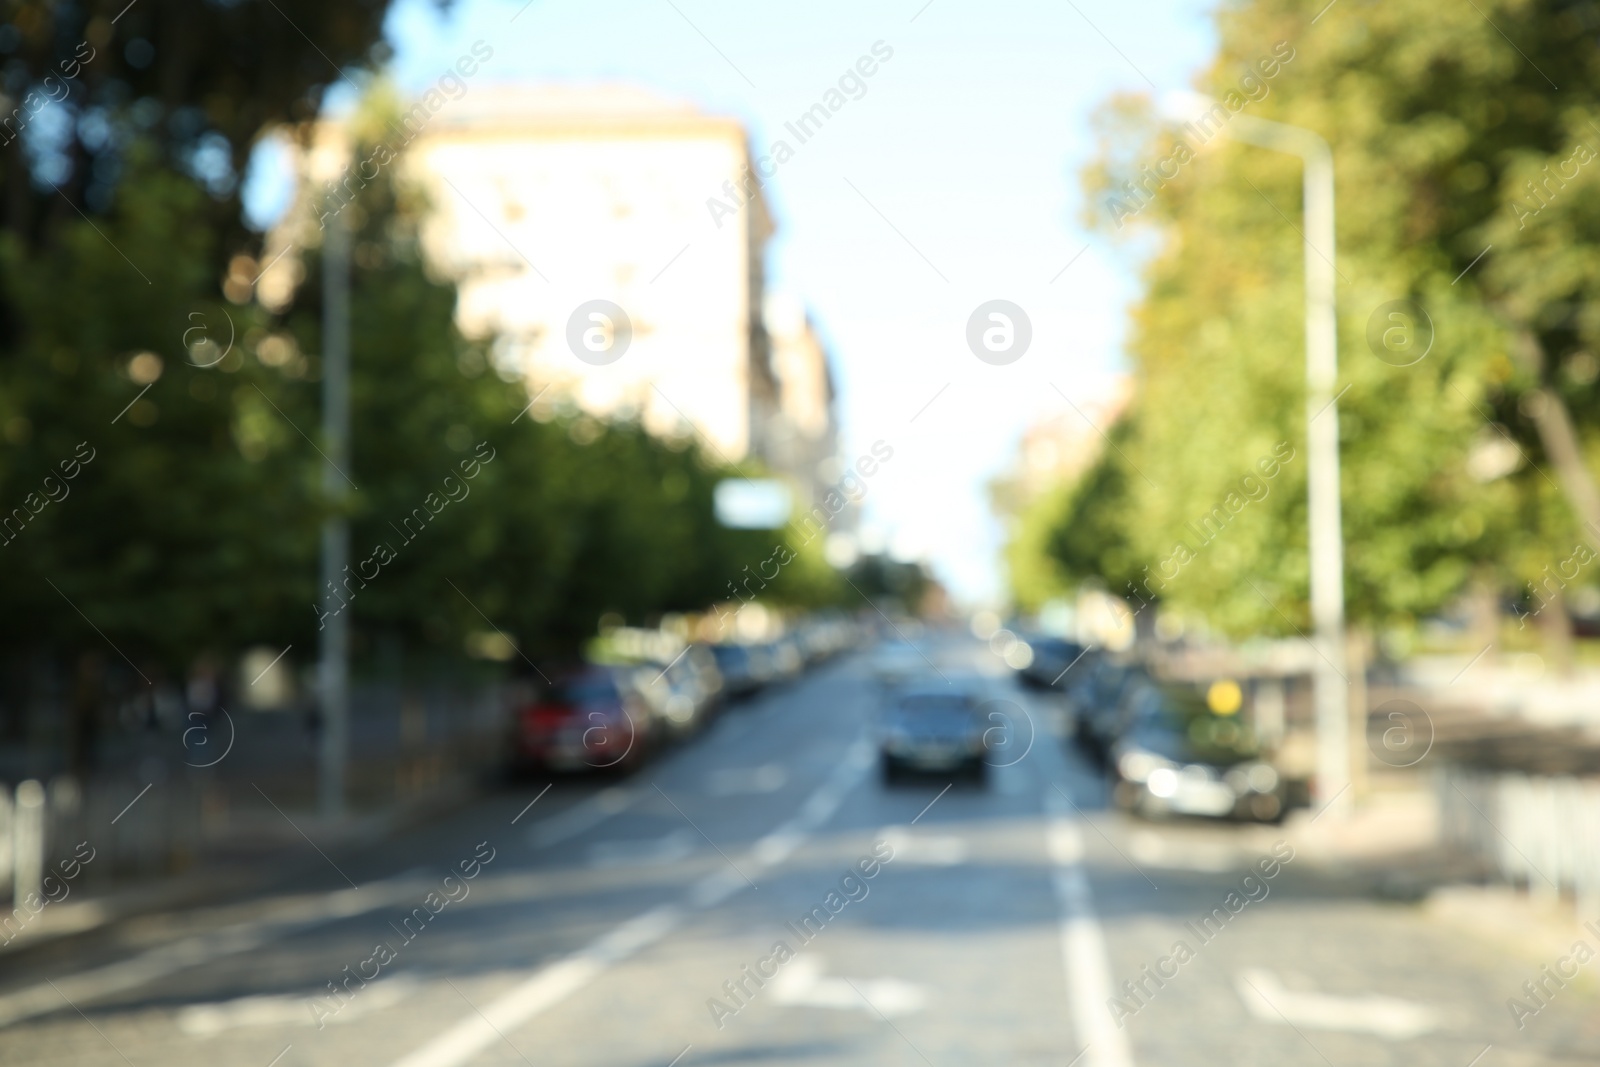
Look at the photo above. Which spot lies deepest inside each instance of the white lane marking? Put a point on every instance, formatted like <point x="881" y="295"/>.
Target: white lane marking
<point x="931" y="850"/>
<point x="802" y="984"/>
<point x="715" y="888"/>
<point x="776" y="846"/>
<point x="581" y="817"/>
<point x="548" y="986"/>
<point x="1387" y="1017"/>
<point x="297" y="916"/>
<point x="554" y="982"/>
<point x="738" y="781"/>
<point x="819" y="807"/>
<point x="650" y="852"/>
<point x="1152" y="849"/>
<point x="208" y="1020"/>
<point x="1083" y="943"/>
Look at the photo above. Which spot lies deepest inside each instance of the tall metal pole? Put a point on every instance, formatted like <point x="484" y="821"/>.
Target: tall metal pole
<point x="1330" y="681"/>
<point x="335" y="634"/>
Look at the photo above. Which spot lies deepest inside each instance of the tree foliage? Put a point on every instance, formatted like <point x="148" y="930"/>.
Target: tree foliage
<point x="1436" y="122"/>
<point x="134" y="355"/>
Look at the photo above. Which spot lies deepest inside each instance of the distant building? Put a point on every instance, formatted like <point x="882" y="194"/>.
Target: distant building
<point x="1063" y="446"/>
<point x="547" y="199"/>
<point x="544" y="200"/>
<point x="800" y="437"/>
<point x="1057" y="449"/>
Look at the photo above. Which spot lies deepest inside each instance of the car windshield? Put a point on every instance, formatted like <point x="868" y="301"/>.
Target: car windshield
<point x="1111" y="681"/>
<point x="935" y="705"/>
<point x="1176" y="722"/>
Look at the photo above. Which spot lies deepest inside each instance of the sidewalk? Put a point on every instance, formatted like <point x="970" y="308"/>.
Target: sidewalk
<point x="267" y="854"/>
<point x="1392" y="842"/>
<point x="1393" y="826"/>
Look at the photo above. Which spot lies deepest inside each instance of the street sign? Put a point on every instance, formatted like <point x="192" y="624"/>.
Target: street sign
<point x="752" y="503"/>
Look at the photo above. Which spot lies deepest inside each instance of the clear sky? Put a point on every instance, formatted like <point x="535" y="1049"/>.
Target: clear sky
<point x="951" y="182"/>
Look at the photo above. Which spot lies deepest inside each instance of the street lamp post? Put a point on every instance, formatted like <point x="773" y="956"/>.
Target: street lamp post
<point x="335" y="635"/>
<point x="1331" y="684"/>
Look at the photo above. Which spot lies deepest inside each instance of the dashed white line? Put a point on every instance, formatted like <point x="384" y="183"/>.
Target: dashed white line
<point x="553" y="983"/>
<point x="1083" y="944"/>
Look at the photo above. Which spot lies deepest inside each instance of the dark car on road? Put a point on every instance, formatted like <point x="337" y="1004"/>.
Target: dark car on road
<point x="1052" y="657"/>
<point x="1097" y="703"/>
<point x="589" y="719"/>
<point x="738" y="671"/>
<point x="933" y="731"/>
<point x="1178" y="756"/>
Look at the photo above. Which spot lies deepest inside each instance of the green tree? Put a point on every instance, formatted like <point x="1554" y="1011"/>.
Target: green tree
<point x="1435" y="120"/>
<point x="89" y="85"/>
<point x="562" y="519"/>
<point x="169" y="538"/>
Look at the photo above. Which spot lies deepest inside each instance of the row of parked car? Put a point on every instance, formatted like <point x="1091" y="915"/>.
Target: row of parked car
<point x="613" y="717"/>
<point x="1168" y="747"/>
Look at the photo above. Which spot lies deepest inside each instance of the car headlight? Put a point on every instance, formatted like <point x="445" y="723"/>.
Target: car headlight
<point x="1163" y="782"/>
<point x="1263" y="779"/>
<point x="1137" y="766"/>
<point x="1252" y="778"/>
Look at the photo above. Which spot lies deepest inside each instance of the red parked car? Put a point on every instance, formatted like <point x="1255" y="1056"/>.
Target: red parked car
<point x="589" y="719"/>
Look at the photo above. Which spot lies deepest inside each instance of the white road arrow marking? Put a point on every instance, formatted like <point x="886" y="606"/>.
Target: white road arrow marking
<point x="801" y="983"/>
<point x="1388" y="1017"/>
<point x="933" y="850"/>
<point x="557" y="980"/>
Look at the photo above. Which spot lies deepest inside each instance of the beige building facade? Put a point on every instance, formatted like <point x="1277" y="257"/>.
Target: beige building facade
<point x="546" y="201"/>
<point x="574" y="223"/>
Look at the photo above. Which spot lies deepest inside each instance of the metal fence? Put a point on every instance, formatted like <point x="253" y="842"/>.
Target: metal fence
<point x="48" y="831"/>
<point x="1541" y="831"/>
<point x="161" y="806"/>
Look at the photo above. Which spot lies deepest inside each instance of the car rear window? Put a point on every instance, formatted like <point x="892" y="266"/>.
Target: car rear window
<point x="935" y="704"/>
<point x="1176" y="721"/>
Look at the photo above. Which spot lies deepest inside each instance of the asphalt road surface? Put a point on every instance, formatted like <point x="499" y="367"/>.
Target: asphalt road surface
<point x="760" y="897"/>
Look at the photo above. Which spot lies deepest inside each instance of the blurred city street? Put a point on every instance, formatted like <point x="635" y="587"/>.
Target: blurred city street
<point x="685" y="533"/>
<point x="611" y="914"/>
